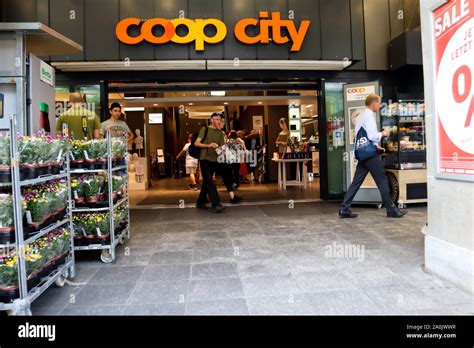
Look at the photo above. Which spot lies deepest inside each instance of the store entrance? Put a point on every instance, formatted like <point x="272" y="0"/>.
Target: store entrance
<point x="165" y="120"/>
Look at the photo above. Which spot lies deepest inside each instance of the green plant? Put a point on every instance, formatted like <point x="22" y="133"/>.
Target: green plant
<point x="93" y="187"/>
<point x="78" y="149"/>
<point x="89" y="223"/>
<point x="37" y="206"/>
<point x="34" y="259"/>
<point x="98" y="149"/>
<point x="6" y="211"/>
<point x="37" y="254"/>
<point x="78" y="225"/>
<point x="8" y="269"/>
<point x="119" y="148"/>
<point x="117" y="182"/>
<point x="57" y="193"/>
<point x="78" y="188"/>
<point x="4" y="150"/>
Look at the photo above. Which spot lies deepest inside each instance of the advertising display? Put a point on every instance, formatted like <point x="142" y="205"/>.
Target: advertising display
<point x="453" y="34"/>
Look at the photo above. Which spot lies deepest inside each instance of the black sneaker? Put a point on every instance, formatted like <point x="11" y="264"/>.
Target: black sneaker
<point x="194" y="188"/>
<point x="346" y="214"/>
<point x="235" y="200"/>
<point x="218" y="208"/>
<point x="202" y="206"/>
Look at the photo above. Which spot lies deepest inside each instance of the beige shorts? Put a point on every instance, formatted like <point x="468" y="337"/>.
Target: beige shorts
<point x="191" y="170"/>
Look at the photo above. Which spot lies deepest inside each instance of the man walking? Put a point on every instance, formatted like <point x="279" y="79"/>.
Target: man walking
<point x="209" y="139"/>
<point x="374" y="165"/>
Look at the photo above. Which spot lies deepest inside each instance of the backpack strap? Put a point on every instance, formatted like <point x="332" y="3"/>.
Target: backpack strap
<point x="205" y="134"/>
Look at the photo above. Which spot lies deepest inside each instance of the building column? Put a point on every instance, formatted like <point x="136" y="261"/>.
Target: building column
<point x="449" y="236"/>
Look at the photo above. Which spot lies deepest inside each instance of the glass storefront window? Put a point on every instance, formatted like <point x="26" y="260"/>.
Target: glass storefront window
<point x="92" y="94"/>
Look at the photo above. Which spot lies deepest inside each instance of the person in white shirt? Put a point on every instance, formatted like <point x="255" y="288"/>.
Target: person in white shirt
<point x="191" y="163"/>
<point x="373" y="165"/>
<point x="114" y="125"/>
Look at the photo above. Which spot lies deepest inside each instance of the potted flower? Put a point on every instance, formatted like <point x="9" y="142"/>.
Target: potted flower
<point x="123" y="210"/>
<point x="98" y="151"/>
<point x="60" y="244"/>
<point x="34" y="260"/>
<point x="78" y="188"/>
<point x="102" y="177"/>
<point x="119" y="149"/>
<point x="5" y="170"/>
<point x="57" y="192"/>
<point x="8" y="276"/>
<point x="35" y="155"/>
<point x="63" y="242"/>
<point x="78" y="153"/>
<point x="64" y="149"/>
<point x="101" y="223"/>
<point x="7" y="223"/>
<point x="79" y="229"/>
<point x="44" y="248"/>
<point x="58" y="147"/>
<point x="28" y="158"/>
<point x="117" y="185"/>
<point x="37" y="209"/>
<point x="93" y="188"/>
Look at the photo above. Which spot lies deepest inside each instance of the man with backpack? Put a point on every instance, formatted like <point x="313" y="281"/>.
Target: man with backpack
<point x="208" y="140"/>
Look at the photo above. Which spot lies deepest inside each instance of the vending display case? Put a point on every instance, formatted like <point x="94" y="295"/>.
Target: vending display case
<point x="405" y="151"/>
<point x="405" y="148"/>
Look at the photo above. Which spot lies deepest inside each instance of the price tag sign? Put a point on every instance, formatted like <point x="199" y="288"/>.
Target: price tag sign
<point x="453" y="38"/>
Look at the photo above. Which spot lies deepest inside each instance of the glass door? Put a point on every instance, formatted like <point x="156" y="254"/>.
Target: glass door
<point x="332" y="140"/>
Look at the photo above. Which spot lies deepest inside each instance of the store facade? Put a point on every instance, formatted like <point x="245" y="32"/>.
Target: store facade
<point x="295" y="44"/>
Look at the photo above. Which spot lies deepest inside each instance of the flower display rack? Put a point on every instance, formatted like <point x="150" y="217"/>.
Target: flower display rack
<point x="36" y="235"/>
<point x="101" y="216"/>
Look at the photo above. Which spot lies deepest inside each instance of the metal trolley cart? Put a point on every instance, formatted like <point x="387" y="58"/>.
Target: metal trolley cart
<point x="54" y="269"/>
<point x="106" y="241"/>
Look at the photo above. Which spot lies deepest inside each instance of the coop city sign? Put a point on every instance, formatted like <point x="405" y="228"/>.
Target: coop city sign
<point x="195" y="31"/>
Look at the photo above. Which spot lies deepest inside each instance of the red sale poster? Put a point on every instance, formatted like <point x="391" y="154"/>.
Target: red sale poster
<point x="453" y="31"/>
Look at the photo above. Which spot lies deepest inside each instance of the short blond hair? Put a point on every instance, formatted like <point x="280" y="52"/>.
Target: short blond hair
<point x="372" y="98"/>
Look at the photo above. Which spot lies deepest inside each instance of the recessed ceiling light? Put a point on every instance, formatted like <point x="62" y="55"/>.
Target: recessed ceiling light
<point x="191" y="104"/>
<point x="260" y="102"/>
<point x="155" y="104"/>
<point x="225" y="103"/>
<point x="218" y="93"/>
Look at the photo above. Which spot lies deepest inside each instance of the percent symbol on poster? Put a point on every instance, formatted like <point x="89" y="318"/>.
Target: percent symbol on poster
<point x="460" y="97"/>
